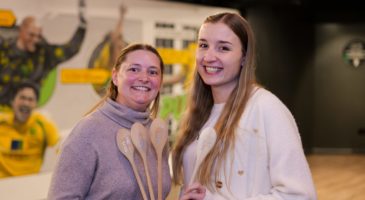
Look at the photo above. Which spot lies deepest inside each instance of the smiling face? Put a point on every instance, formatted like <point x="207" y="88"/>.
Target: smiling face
<point x="138" y="79"/>
<point x="219" y="58"/>
<point x="29" y="35"/>
<point x="23" y="104"/>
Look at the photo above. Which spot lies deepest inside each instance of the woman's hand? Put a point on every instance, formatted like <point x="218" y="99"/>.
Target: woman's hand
<point x="194" y="191"/>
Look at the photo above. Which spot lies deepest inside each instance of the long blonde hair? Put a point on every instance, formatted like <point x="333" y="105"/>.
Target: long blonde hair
<point x="112" y="91"/>
<point x="200" y="103"/>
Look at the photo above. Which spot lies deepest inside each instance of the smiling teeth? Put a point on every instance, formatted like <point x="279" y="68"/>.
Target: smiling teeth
<point x="142" y="88"/>
<point x="212" y="69"/>
<point x="24" y="109"/>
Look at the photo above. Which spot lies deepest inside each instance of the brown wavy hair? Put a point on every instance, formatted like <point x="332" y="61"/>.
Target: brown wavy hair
<point x="200" y="104"/>
<point x="112" y="91"/>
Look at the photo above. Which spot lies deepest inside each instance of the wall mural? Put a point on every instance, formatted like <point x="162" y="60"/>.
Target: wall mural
<point x="354" y="53"/>
<point x="25" y="54"/>
<point x="72" y="75"/>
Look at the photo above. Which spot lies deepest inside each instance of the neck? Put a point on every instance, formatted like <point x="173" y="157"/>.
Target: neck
<point x="20" y="45"/>
<point x="221" y="94"/>
<point x="18" y="125"/>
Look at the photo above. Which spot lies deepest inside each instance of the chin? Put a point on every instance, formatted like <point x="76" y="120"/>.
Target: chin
<point x="31" y="49"/>
<point x="23" y="120"/>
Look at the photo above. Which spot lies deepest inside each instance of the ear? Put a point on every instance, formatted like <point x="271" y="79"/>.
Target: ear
<point x="243" y="61"/>
<point x="12" y="103"/>
<point x="115" y="76"/>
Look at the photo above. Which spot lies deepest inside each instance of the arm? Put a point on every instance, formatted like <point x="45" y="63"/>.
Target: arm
<point x="50" y="129"/>
<point x="1" y="42"/>
<point x="289" y="172"/>
<point x="119" y="26"/>
<point x="74" y="172"/>
<point x="166" y="176"/>
<point x="116" y="36"/>
<point x="82" y="8"/>
<point x="60" y="53"/>
<point x="63" y="52"/>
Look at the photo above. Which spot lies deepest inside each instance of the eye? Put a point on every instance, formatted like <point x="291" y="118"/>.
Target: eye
<point x="23" y="98"/>
<point x="224" y="48"/>
<point x="154" y="72"/>
<point x="133" y="68"/>
<point x="203" y="45"/>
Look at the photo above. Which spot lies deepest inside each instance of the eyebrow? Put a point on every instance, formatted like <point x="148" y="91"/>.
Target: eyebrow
<point x="155" y="67"/>
<point x="219" y="41"/>
<point x="137" y="64"/>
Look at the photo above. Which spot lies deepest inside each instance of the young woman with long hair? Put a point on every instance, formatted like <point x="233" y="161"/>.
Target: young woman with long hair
<point x="258" y="152"/>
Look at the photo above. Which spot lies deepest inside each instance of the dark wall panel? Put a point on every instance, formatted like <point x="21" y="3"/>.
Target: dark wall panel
<point x="285" y="45"/>
<point x="339" y="106"/>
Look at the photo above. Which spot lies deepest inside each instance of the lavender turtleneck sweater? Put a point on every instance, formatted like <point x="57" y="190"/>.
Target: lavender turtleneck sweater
<point x="91" y="166"/>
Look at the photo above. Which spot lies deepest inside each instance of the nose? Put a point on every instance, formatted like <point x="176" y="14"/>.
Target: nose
<point x="209" y="55"/>
<point x="144" y="76"/>
<point x="28" y="101"/>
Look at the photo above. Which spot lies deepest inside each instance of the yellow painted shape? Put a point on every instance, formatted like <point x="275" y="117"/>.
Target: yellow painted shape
<point x="174" y="56"/>
<point x="7" y="18"/>
<point x="95" y="76"/>
<point x="185" y="57"/>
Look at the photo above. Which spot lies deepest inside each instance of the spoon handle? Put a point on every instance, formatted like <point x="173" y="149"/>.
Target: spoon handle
<point x="125" y="146"/>
<point x="139" y="181"/>
<point x="159" y="177"/>
<point x="149" y="183"/>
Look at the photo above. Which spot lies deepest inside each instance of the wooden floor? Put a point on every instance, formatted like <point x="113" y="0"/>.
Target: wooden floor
<point x="336" y="177"/>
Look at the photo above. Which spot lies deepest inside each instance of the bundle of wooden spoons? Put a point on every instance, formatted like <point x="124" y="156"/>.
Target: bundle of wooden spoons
<point x="139" y="138"/>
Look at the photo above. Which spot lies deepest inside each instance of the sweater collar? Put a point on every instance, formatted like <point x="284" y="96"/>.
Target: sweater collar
<point x="123" y="115"/>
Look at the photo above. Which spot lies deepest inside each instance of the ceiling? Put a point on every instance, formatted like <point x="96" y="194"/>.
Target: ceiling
<point x="317" y="10"/>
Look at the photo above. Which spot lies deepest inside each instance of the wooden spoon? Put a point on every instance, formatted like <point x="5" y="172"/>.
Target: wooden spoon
<point x="126" y="147"/>
<point x="159" y="135"/>
<point x="206" y="141"/>
<point x="140" y="140"/>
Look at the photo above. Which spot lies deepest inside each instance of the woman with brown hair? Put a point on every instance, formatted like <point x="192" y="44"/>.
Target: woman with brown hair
<point x="90" y="165"/>
<point x="258" y="152"/>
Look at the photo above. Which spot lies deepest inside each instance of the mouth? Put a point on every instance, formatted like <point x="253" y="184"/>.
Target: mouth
<point x="212" y="69"/>
<point x="25" y="110"/>
<point x="141" y="88"/>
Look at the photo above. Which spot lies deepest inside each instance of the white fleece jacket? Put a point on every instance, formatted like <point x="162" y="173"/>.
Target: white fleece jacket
<point x="267" y="162"/>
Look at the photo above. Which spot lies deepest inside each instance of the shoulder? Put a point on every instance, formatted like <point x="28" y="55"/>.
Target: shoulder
<point x="266" y="100"/>
<point x="89" y="132"/>
<point x="264" y="96"/>
<point x="81" y="135"/>
<point x="40" y="118"/>
<point x="89" y="127"/>
<point x="266" y="106"/>
<point x="7" y="42"/>
<point x="8" y="46"/>
<point x="93" y="121"/>
<point x="271" y="110"/>
<point x="6" y="118"/>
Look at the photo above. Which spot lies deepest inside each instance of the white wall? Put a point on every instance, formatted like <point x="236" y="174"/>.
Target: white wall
<point x="59" y="20"/>
<point x="70" y="101"/>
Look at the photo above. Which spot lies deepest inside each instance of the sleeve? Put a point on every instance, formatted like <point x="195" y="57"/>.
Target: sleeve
<point x="74" y="172"/>
<point x="60" y="53"/>
<point x="289" y="171"/>
<point x="1" y="42"/>
<point x="52" y="134"/>
<point x="166" y="176"/>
